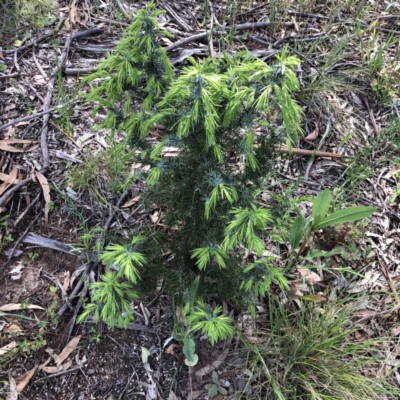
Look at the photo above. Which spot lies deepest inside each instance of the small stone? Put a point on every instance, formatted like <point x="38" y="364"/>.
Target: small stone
<point x="90" y="371"/>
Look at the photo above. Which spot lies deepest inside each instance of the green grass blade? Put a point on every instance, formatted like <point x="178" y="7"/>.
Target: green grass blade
<point x="296" y="232"/>
<point x="346" y="215"/>
<point x="321" y="206"/>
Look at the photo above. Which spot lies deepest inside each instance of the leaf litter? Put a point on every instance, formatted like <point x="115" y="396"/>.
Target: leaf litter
<point x="351" y="115"/>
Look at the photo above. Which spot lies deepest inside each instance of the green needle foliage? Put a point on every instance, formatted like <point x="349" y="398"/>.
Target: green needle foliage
<point x="139" y="68"/>
<point x="225" y="116"/>
<point x="125" y="258"/>
<point x="216" y="326"/>
<point x="111" y="301"/>
<point x="209" y="190"/>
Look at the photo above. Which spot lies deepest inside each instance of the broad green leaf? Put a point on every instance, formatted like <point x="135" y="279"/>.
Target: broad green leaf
<point x="189" y="349"/>
<point x="321" y="253"/>
<point x="346" y="215"/>
<point x="321" y="206"/>
<point x="296" y="232"/>
<point x="222" y="390"/>
<point x="212" y="390"/>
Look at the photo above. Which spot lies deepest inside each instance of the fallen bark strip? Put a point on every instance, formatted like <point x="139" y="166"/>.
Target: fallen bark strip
<point x="240" y="27"/>
<point x="33" y="238"/>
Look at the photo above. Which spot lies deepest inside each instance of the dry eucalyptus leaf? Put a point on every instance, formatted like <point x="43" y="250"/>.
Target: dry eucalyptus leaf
<point x="12" y="391"/>
<point x="131" y="202"/>
<point x="73" y="13"/>
<point x="256" y="339"/>
<point x="66" y="281"/>
<point x="294" y="292"/>
<point x="13" y="328"/>
<point x="155" y="217"/>
<point x="19" y="306"/>
<point x="41" y="366"/>
<point x="145" y="355"/>
<point x="395" y="331"/>
<point x="5" y="349"/>
<point x="365" y="313"/>
<point x="391" y="173"/>
<point x="6" y="145"/>
<point x="310" y="276"/>
<point x="54" y="370"/>
<point x="26" y="378"/>
<point x="46" y="193"/>
<point x="10" y="253"/>
<point x="39" y="79"/>
<point x="314" y="134"/>
<point x="11" y="179"/>
<point x="69" y="348"/>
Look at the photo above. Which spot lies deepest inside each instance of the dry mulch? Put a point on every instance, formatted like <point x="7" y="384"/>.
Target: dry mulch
<point x="114" y="368"/>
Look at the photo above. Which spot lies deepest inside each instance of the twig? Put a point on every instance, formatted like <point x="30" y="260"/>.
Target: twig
<point x="321" y="142"/>
<point x="35" y="42"/>
<point x="38" y="95"/>
<point x="14" y="189"/>
<point x="78" y="71"/>
<point x="364" y="100"/>
<point x="110" y="218"/>
<point x="66" y="135"/>
<point x="258" y="40"/>
<point x="210" y="37"/>
<point x="57" y="374"/>
<point x="75" y="291"/>
<point x="39" y="67"/>
<point x="127" y="384"/>
<point x="316" y="16"/>
<point x="17" y="221"/>
<point x="122" y="8"/>
<point x="77" y="308"/>
<point x="28" y="117"/>
<point x="94" y="49"/>
<point x="239" y="27"/>
<point x="14" y="75"/>
<point x="47" y="102"/>
<point x="88" y="11"/>
<point x="344" y="22"/>
<point x="57" y="283"/>
<point x="18" y="242"/>
<point x="176" y="18"/>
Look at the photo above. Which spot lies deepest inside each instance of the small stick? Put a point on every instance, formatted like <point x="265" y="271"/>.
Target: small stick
<point x="34" y="42"/>
<point x="4" y="266"/>
<point x="17" y="221"/>
<point x="57" y="374"/>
